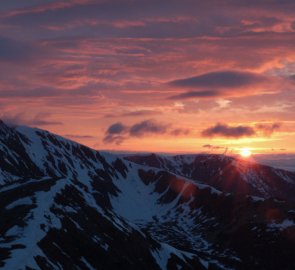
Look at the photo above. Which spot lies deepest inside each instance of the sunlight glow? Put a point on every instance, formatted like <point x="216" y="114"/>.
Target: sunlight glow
<point x="245" y="152"/>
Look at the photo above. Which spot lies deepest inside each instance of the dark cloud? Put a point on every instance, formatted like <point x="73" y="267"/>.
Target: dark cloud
<point x="116" y="133"/>
<point x="12" y="50"/>
<point x="17" y="4"/>
<point x="228" y="131"/>
<point x="105" y="12"/>
<point x="224" y="130"/>
<point x="147" y="127"/>
<point x="31" y="93"/>
<point x="116" y="139"/>
<point x="39" y="120"/>
<point x="220" y="79"/>
<point x="119" y="132"/>
<point x="153" y="18"/>
<point x="195" y="94"/>
<point x="117" y="128"/>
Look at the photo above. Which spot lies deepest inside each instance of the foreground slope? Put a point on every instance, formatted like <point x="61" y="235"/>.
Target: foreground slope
<point x="65" y="206"/>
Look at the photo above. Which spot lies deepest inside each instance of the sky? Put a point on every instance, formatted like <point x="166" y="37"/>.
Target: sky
<point x="179" y="76"/>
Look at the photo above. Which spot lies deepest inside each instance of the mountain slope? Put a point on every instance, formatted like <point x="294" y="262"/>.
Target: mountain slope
<point x="226" y="173"/>
<point x="65" y="206"/>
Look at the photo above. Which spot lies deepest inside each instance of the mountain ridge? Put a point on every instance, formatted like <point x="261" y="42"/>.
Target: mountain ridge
<point x="66" y="206"/>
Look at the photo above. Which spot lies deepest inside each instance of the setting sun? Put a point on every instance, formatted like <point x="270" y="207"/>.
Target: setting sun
<point x="245" y="152"/>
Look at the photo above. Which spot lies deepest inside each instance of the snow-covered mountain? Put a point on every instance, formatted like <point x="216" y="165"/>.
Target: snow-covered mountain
<point x="66" y="206"/>
<point x="227" y="174"/>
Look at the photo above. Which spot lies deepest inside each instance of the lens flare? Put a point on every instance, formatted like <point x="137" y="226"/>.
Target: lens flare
<point x="245" y="152"/>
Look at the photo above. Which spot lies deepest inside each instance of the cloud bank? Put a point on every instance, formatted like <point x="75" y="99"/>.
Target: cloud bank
<point x="118" y="132"/>
<point x="224" y="130"/>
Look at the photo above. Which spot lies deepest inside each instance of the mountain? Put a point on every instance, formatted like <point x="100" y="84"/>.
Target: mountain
<point x="66" y="206"/>
<point x="227" y="174"/>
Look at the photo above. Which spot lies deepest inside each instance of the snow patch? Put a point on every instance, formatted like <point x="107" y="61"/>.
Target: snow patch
<point x="22" y="201"/>
<point x="287" y="223"/>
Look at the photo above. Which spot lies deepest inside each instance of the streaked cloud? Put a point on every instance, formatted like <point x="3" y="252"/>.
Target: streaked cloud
<point x="195" y="94"/>
<point x="41" y="119"/>
<point x="93" y="63"/>
<point x="221" y="83"/>
<point x="221" y="79"/>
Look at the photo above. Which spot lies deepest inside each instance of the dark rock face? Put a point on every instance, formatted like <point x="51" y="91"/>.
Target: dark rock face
<point x="66" y="206"/>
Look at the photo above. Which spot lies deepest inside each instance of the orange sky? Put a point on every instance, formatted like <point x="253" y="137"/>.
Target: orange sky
<point x="169" y="76"/>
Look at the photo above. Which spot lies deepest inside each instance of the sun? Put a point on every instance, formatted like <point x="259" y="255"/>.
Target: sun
<point x="245" y="152"/>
